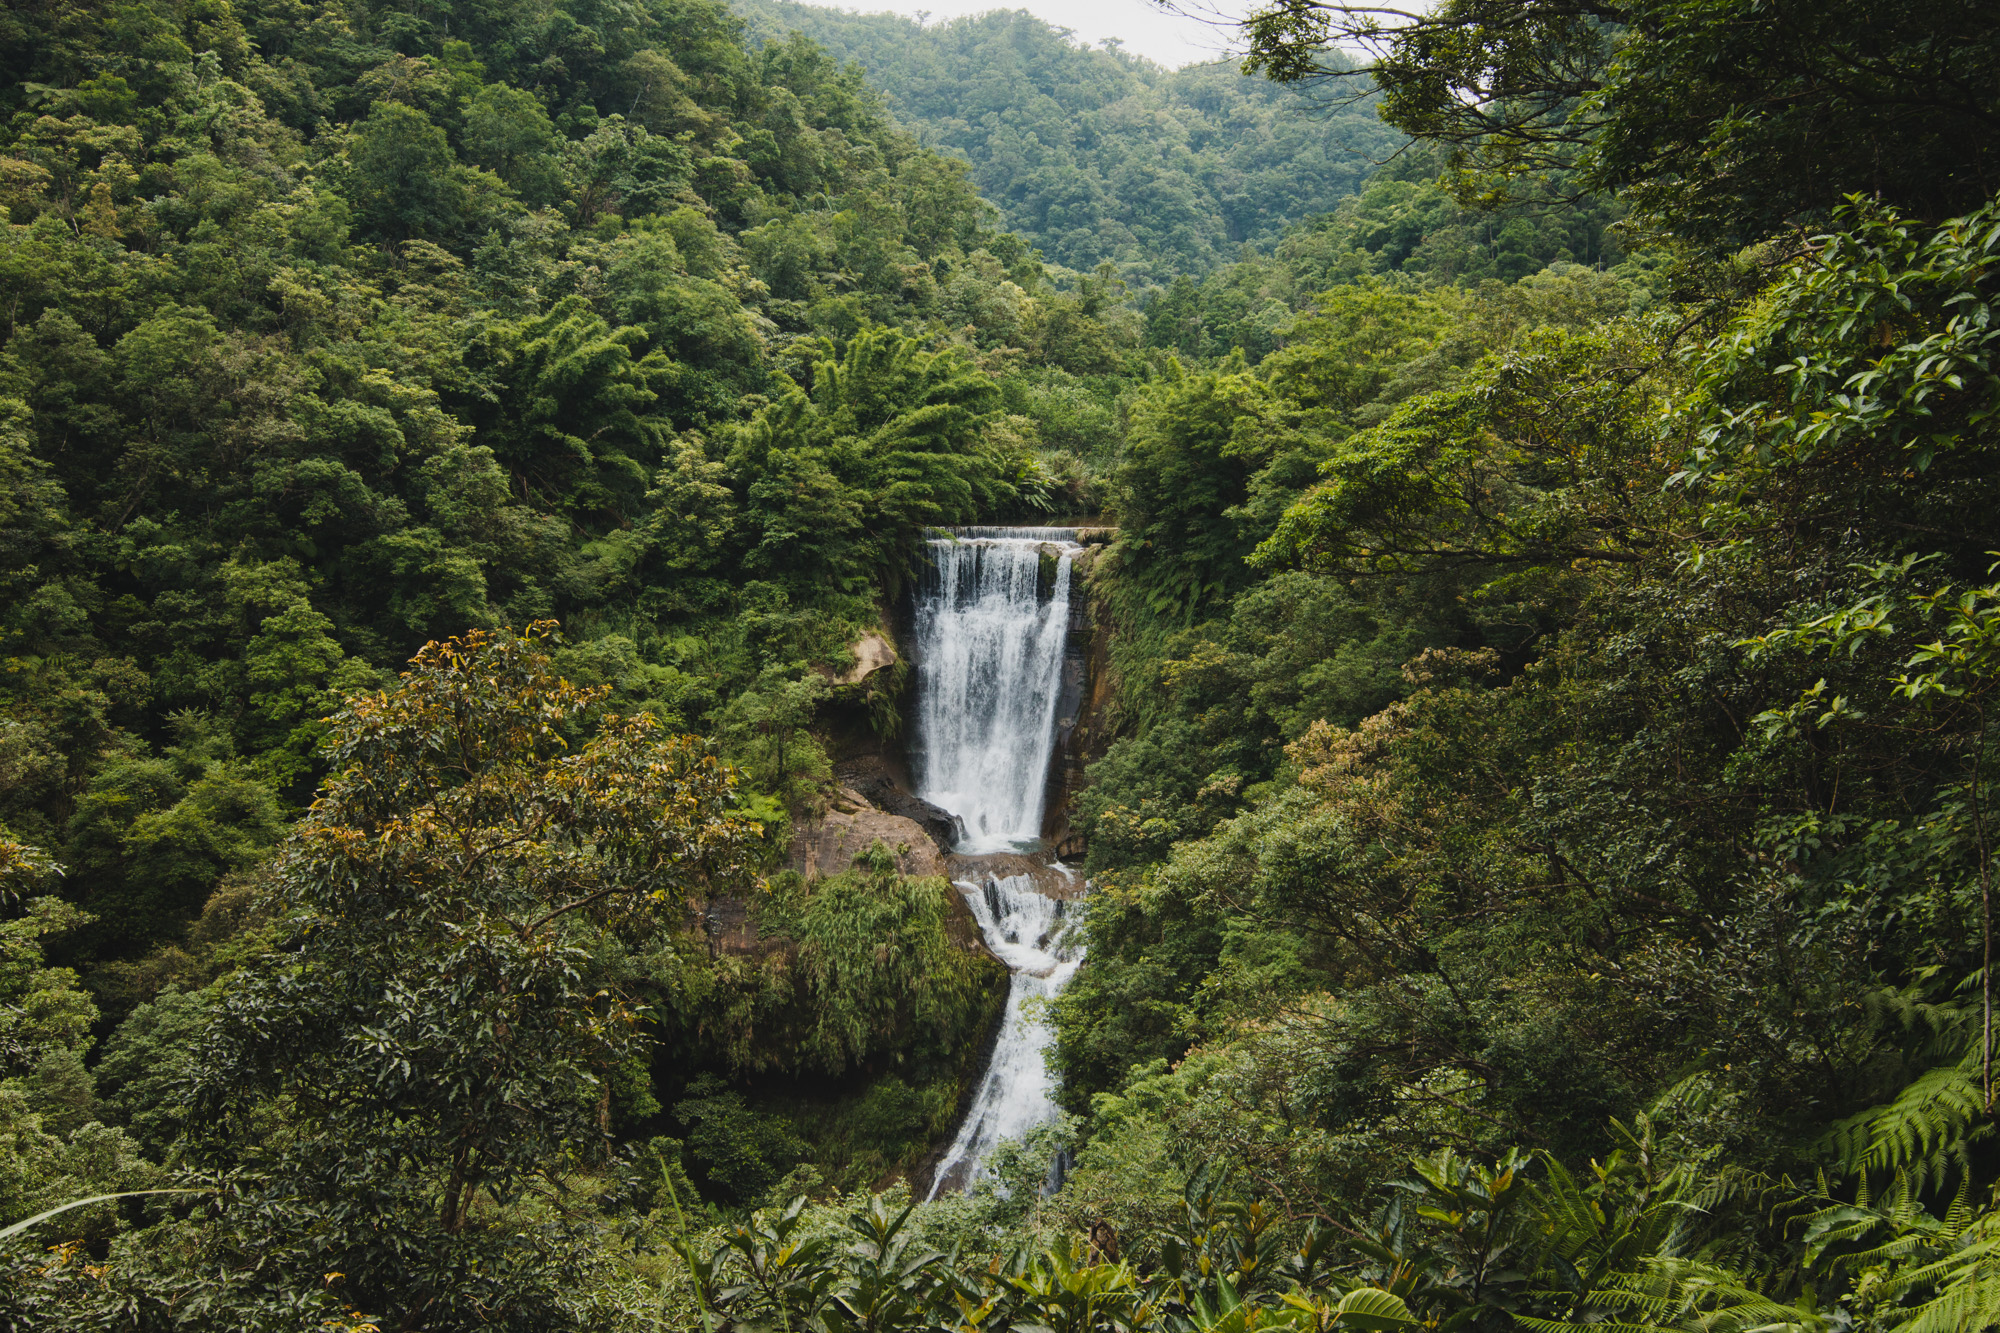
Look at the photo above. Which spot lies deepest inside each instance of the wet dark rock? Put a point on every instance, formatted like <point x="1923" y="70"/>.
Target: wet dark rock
<point x="1049" y="881"/>
<point x="876" y="782"/>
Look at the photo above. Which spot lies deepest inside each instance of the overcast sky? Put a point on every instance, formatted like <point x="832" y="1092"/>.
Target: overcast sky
<point x="1143" y="28"/>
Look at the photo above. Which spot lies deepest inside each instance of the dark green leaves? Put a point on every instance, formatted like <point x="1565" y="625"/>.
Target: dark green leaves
<point x="840" y="480"/>
<point x="436" y="1019"/>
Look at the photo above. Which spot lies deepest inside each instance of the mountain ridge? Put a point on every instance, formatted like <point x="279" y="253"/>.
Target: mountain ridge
<point x="1098" y="155"/>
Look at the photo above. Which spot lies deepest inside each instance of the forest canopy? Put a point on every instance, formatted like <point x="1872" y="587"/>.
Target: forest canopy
<point x="1540" y="848"/>
<point x="1094" y="155"/>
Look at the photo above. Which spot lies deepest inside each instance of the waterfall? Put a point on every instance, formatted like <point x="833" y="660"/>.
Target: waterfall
<point x="1021" y="925"/>
<point x="990" y="625"/>
<point x="989" y="669"/>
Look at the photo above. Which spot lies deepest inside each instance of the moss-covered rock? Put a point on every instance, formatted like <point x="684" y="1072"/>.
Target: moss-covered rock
<point x="856" y="1006"/>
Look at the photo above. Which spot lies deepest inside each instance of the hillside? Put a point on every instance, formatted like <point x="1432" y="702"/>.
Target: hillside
<point x="514" y="819"/>
<point x="329" y="337"/>
<point x="1096" y="155"/>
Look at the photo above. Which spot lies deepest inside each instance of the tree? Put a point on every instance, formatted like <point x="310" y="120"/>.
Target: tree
<point x="840" y="480"/>
<point x="1188" y="468"/>
<point x="405" y="181"/>
<point x="434" y="1032"/>
<point x="770" y="721"/>
<point x="1724" y="122"/>
<point x="1861" y="396"/>
<point x="1538" y="458"/>
<point x="564" y="401"/>
<point x="507" y="132"/>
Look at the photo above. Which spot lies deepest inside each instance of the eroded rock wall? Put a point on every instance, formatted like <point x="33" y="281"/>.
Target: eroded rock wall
<point x="1083" y="713"/>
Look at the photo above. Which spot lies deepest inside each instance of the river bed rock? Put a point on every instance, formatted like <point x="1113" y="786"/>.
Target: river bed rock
<point x="1049" y="880"/>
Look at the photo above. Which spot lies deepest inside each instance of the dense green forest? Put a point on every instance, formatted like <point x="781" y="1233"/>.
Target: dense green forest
<point x="1094" y="155"/>
<point x="1542" y="869"/>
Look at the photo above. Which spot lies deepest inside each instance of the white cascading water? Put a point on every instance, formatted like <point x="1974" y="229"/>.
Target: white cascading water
<point x="990" y="655"/>
<point x="1023" y="927"/>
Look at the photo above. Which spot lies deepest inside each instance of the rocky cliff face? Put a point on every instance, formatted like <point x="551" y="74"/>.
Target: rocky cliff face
<point x="871" y="806"/>
<point x="1083" y="713"/>
<point x="885" y="785"/>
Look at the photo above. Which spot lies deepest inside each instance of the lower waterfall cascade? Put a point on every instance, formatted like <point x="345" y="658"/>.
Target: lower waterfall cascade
<point x="1023" y="926"/>
<point x="989" y="634"/>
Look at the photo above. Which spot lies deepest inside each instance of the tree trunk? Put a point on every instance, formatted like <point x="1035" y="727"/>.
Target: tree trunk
<point x="452" y="1215"/>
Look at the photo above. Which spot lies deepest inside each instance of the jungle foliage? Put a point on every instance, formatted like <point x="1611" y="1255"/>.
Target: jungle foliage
<point x="330" y="338"/>
<point x="1094" y="155"/>
<point x="1556" y="714"/>
<point x="324" y="339"/>
<point x="1542" y="877"/>
<point x="1723" y="124"/>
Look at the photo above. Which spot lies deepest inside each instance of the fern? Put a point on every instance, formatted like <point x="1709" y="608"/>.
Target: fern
<point x="1683" y="1296"/>
<point x="1927" y="1131"/>
<point x="1969" y="1304"/>
<point x="1941" y="1030"/>
<point x="1954" y="1260"/>
<point x="1940" y="1276"/>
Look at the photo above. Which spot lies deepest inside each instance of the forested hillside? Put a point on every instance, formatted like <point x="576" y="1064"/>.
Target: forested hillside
<point x="330" y="335"/>
<point x="1541" y="867"/>
<point x="318" y="349"/>
<point x="1097" y="156"/>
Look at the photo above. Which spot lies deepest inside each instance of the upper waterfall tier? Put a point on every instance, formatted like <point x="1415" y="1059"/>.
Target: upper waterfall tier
<point x="989" y="640"/>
